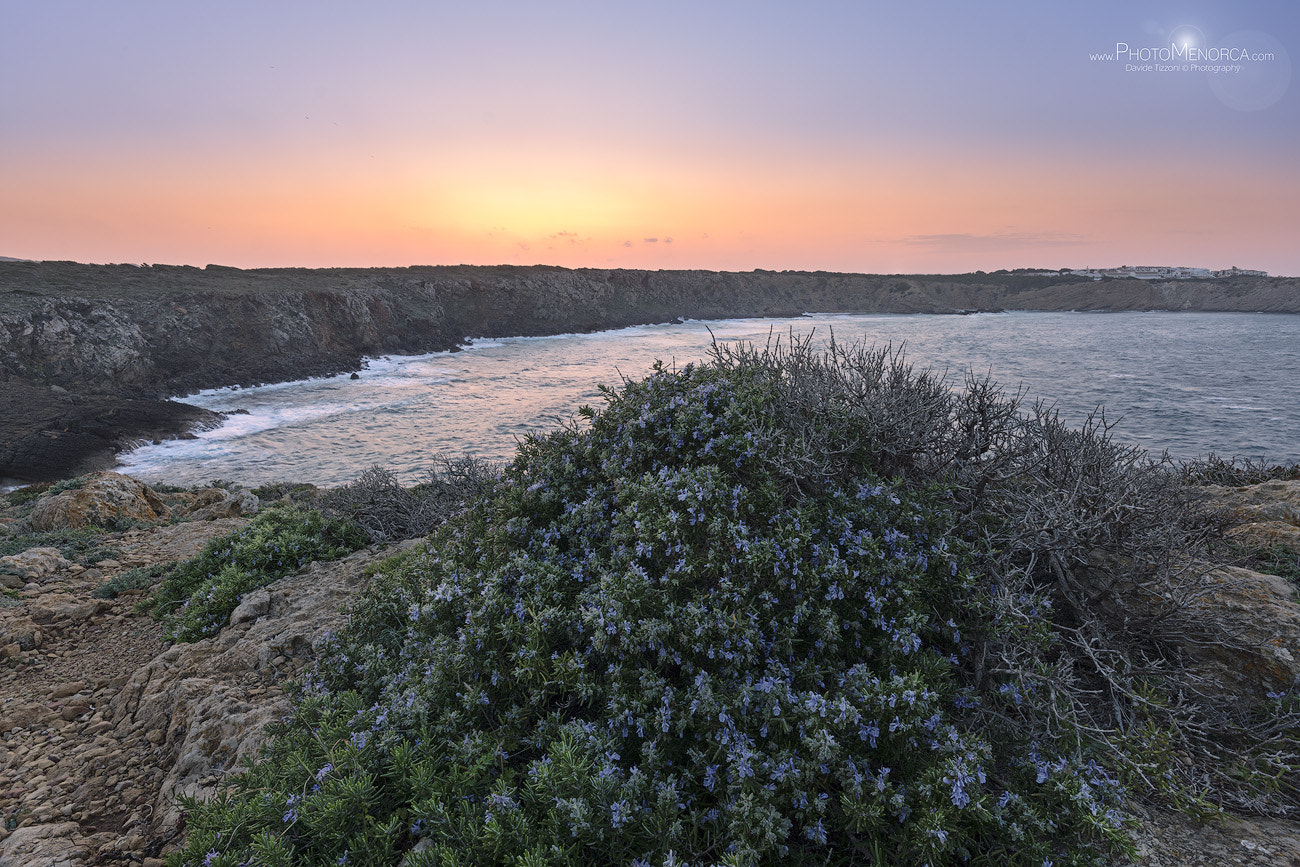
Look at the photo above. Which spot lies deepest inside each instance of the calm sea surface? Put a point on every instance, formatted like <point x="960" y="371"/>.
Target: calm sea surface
<point x="1191" y="383"/>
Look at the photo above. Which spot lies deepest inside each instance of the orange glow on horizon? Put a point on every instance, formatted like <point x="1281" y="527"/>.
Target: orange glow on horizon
<point x="885" y="211"/>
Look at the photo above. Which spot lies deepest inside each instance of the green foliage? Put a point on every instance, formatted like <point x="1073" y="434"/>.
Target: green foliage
<point x="84" y="546"/>
<point x="1273" y="560"/>
<point x="673" y="638"/>
<point x="23" y="496"/>
<point x="195" y="600"/>
<point x="295" y="492"/>
<point x="139" y="578"/>
<point x="73" y="484"/>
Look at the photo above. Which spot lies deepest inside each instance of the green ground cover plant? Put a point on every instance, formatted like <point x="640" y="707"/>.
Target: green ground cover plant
<point x="25" y="495"/>
<point x="783" y="607"/>
<point x="86" y="546"/>
<point x="138" y="578"/>
<point x="1273" y="559"/>
<point x="195" y="599"/>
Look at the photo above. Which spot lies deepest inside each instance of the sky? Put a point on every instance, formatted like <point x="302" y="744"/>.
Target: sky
<point x="881" y="137"/>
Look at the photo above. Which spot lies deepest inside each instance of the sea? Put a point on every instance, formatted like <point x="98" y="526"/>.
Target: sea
<point x="1189" y="384"/>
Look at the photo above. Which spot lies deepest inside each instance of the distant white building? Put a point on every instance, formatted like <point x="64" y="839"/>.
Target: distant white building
<point x="1159" y="272"/>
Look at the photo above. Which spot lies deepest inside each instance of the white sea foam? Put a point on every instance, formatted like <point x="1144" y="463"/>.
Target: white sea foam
<point x="1149" y="369"/>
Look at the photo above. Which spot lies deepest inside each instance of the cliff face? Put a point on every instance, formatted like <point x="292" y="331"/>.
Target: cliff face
<point x="149" y="332"/>
<point x="164" y="330"/>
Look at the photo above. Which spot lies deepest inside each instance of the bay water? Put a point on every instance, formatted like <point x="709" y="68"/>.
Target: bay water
<point x="1189" y="383"/>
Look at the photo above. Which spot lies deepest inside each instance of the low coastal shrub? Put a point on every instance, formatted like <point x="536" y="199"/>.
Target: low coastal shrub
<point x="783" y="607"/>
<point x="195" y="599"/>
<point x="295" y="492"/>
<point x="85" y="547"/>
<point x="138" y="578"/>
<point x="74" y="484"/>
<point x="1272" y="559"/>
<point x="26" y="495"/>
<point x="666" y="639"/>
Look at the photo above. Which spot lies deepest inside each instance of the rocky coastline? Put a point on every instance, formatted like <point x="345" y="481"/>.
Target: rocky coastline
<point x="90" y="354"/>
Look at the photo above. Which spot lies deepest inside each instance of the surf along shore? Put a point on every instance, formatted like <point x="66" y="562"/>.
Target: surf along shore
<point x="91" y="354"/>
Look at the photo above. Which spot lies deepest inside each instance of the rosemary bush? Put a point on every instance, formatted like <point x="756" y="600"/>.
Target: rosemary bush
<point x="195" y="599"/>
<point x="749" y="615"/>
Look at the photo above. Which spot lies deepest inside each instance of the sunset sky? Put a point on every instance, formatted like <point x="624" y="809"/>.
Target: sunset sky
<point x="847" y="136"/>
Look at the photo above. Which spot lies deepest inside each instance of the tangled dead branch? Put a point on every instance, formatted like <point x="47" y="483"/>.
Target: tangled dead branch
<point x="387" y="511"/>
<point x="1089" y="535"/>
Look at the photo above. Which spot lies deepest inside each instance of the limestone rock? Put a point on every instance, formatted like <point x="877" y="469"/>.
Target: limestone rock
<point x="55" y="845"/>
<point x="205" y="705"/>
<point x="1259" y="613"/>
<point x="23" y="714"/>
<point x="253" y="606"/>
<point x="1172" y="840"/>
<point x="19" y="629"/>
<point x="1267" y="513"/>
<point x="61" y="609"/>
<point x="36" y="562"/>
<point x="103" y="500"/>
<point x="63" y="690"/>
<point x="213" y="503"/>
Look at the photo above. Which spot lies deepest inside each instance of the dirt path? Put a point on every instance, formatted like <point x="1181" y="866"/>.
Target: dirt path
<point x="68" y="769"/>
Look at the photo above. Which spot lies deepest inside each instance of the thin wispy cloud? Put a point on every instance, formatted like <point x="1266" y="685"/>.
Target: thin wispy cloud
<point x="997" y="240"/>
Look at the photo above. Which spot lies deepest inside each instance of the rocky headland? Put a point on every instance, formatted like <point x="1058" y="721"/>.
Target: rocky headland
<point x="103" y="723"/>
<point x="90" y="354"/>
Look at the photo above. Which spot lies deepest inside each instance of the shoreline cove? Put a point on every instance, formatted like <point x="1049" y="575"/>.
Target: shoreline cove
<point x="1140" y="367"/>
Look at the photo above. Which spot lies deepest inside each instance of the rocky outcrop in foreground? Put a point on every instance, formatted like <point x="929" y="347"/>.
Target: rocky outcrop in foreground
<point x="88" y="353"/>
<point x="103" y="725"/>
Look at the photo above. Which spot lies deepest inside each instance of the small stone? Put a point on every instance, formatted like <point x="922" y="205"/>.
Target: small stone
<point x="65" y="610"/>
<point x="64" y="690"/>
<point x="74" y="709"/>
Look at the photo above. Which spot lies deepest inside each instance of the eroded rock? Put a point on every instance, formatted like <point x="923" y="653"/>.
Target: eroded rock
<point x="61" y="610"/>
<point x="1260" y="614"/>
<point x="104" y="500"/>
<point x="205" y="705"/>
<point x="55" y="845"/>
<point x="213" y="503"/>
<point x="1266" y="514"/>
<point x="36" y="562"/>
